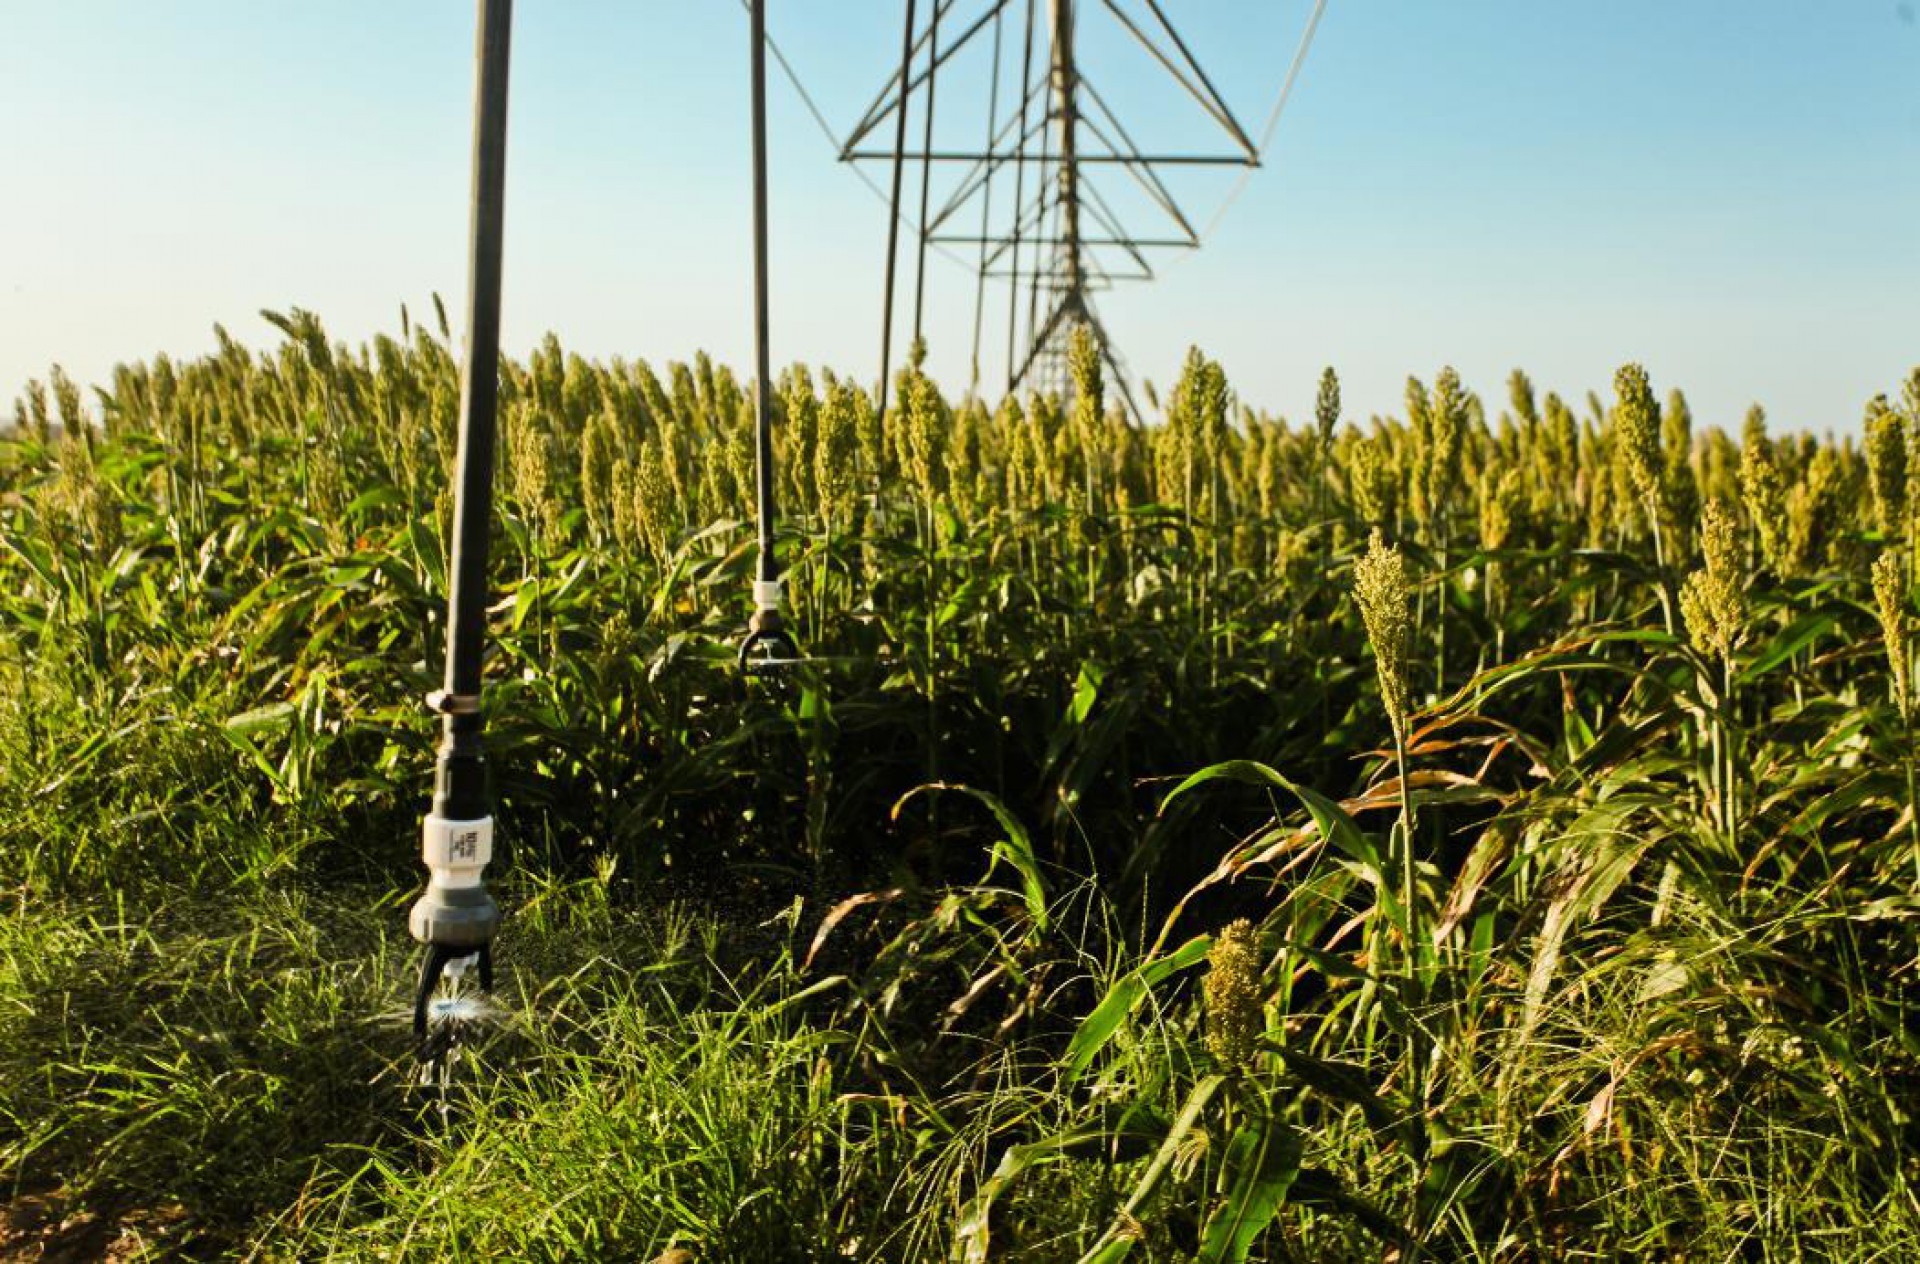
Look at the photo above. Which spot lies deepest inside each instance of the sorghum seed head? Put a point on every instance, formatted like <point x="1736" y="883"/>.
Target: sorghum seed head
<point x="1765" y="493"/>
<point x="1083" y="362"/>
<point x="1383" y="591"/>
<point x="1235" y="999"/>
<point x="1326" y="408"/>
<point x="1637" y="418"/>
<point x="1886" y="464"/>
<point x="1890" y="595"/>
<point x="1373" y="477"/>
<point x="1500" y="502"/>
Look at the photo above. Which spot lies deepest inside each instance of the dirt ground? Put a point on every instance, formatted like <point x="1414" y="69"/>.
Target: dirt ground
<point x="42" y="1227"/>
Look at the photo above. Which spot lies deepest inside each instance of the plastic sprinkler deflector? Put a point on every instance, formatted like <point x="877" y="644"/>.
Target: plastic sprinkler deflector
<point x="768" y="648"/>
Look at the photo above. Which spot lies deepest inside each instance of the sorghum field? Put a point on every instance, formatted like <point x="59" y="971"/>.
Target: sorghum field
<point x="1485" y="833"/>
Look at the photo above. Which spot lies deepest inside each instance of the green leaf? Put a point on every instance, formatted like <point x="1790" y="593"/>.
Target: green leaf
<point x="1086" y="691"/>
<point x="1098" y="1027"/>
<point x="1335" y="826"/>
<point x="972" y="1232"/>
<point x="1116" y="1242"/>
<point x="1605" y="847"/>
<point x="373" y="498"/>
<point x="37" y="556"/>
<point x="1315" y="1188"/>
<point x="1568" y="656"/>
<point x="275" y="715"/>
<point x="1801" y="633"/>
<point x="1109" y="1250"/>
<point x="1262" y="1160"/>
<point x="1016" y="848"/>
<point x="525" y="596"/>
<point x="1347" y="1083"/>
<point x="428" y="556"/>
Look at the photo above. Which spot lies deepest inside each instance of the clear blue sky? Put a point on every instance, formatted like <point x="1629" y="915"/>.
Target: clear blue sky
<point x="1728" y="190"/>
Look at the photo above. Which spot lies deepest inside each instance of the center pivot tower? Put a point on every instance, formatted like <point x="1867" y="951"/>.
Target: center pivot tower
<point x="1058" y="240"/>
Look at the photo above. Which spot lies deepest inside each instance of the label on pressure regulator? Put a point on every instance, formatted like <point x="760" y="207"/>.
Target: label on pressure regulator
<point x="456" y="851"/>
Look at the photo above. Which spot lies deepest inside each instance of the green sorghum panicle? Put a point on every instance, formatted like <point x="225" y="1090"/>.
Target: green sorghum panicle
<point x="653" y="397"/>
<point x="703" y="380"/>
<point x="655" y="508"/>
<point x="926" y="433"/>
<point x="1373" y="480"/>
<point x="1023" y="462"/>
<point x="1679" y="489"/>
<point x="1384" y="592"/>
<point x="801" y="438"/>
<point x="1720" y="543"/>
<point x="684" y="402"/>
<point x="1419" y="454"/>
<point x="547" y="367"/>
<point x="1719" y="467"/>
<point x="1235" y="997"/>
<point x="739" y="454"/>
<point x="1083" y="362"/>
<point x="1507" y="441"/>
<point x="1269" y="475"/>
<point x="1676" y="425"/>
<point x="1326" y="408"/>
<point x="1520" y="396"/>
<point x="1210" y="419"/>
<point x="962" y="456"/>
<point x="68" y="404"/>
<point x="1890" y="595"/>
<point x="1765" y="494"/>
<point x="1910" y="407"/>
<point x="620" y="489"/>
<point x="1637" y="425"/>
<point x="37" y="411"/>
<point x="1501" y="500"/>
<point x="835" y="452"/>
<point x="581" y="392"/>
<point x="1419" y="415"/>
<point x="1594" y="486"/>
<point x="671" y="446"/>
<point x="1810" y="509"/>
<point x="1447" y="420"/>
<point x="1169" y="463"/>
<point x="1886" y="465"/>
<point x="1562" y="440"/>
<point x="85" y="503"/>
<point x="599" y="449"/>
<point x="1713" y="601"/>
<point x="530" y="465"/>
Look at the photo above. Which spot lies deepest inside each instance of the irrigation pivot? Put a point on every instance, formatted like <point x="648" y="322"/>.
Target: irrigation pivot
<point x="455" y="918"/>
<point x="1060" y="238"/>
